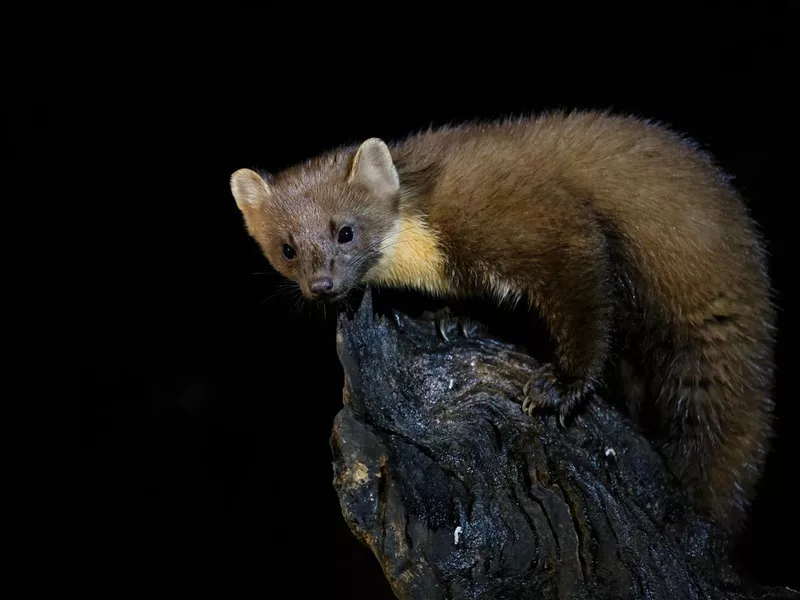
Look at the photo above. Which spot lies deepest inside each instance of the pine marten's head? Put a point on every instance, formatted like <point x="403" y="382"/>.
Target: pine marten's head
<point x="325" y="223"/>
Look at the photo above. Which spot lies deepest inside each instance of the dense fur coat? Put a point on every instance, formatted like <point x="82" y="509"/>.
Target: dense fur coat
<point x="623" y="236"/>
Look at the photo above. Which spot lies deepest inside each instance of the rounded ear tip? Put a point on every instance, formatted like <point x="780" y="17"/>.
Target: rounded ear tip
<point x="240" y="174"/>
<point x="373" y="142"/>
<point x="248" y="187"/>
<point x="247" y="178"/>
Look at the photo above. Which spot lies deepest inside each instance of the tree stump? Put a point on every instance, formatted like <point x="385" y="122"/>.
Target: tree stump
<point x="459" y="494"/>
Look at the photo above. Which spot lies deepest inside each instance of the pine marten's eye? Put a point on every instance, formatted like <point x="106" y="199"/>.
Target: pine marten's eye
<point x="345" y="235"/>
<point x="288" y="252"/>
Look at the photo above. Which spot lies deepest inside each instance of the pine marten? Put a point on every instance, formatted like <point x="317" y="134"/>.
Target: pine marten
<point x="623" y="235"/>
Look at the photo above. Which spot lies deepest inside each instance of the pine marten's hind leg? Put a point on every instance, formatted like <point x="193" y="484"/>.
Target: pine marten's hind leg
<point x="713" y="394"/>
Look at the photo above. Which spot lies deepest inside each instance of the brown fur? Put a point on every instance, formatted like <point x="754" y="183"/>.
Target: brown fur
<point x="613" y="228"/>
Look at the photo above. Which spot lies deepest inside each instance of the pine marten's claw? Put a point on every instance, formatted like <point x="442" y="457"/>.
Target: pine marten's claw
<point x="544" y="390"/>
<point x="540" y="391"/>
<point x="440" y="327"/>
<point x="440" y="318"/>
<point x="527" y="403"/>
<point x="445" y="319"/>
<point x="563" y="414"/>
<point x="399" y="321"/>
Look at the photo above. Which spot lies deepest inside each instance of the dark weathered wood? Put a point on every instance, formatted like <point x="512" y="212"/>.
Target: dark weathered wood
<point x="461" y="495"/>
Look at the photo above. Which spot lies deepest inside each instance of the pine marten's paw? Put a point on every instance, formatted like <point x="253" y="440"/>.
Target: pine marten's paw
<point x="447" y="324"/>
<point x="544" y="390"/>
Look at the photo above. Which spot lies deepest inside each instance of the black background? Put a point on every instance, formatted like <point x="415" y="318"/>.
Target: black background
<point x="178" y="408"/>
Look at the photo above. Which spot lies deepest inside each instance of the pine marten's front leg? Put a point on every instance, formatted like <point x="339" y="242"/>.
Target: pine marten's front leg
<point x="573" y="294"/>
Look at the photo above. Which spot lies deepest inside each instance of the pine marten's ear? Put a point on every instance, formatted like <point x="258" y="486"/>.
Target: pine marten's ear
<point x="249" y="189"/>
<point x="374" y="169"/>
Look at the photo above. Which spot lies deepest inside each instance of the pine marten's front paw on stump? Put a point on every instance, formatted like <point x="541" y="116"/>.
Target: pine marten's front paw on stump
<point x="545" y="391"/>
<point x="450" y="325"/>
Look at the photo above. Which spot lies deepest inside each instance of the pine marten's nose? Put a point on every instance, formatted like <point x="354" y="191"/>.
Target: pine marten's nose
<point x="321" y="286"/>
